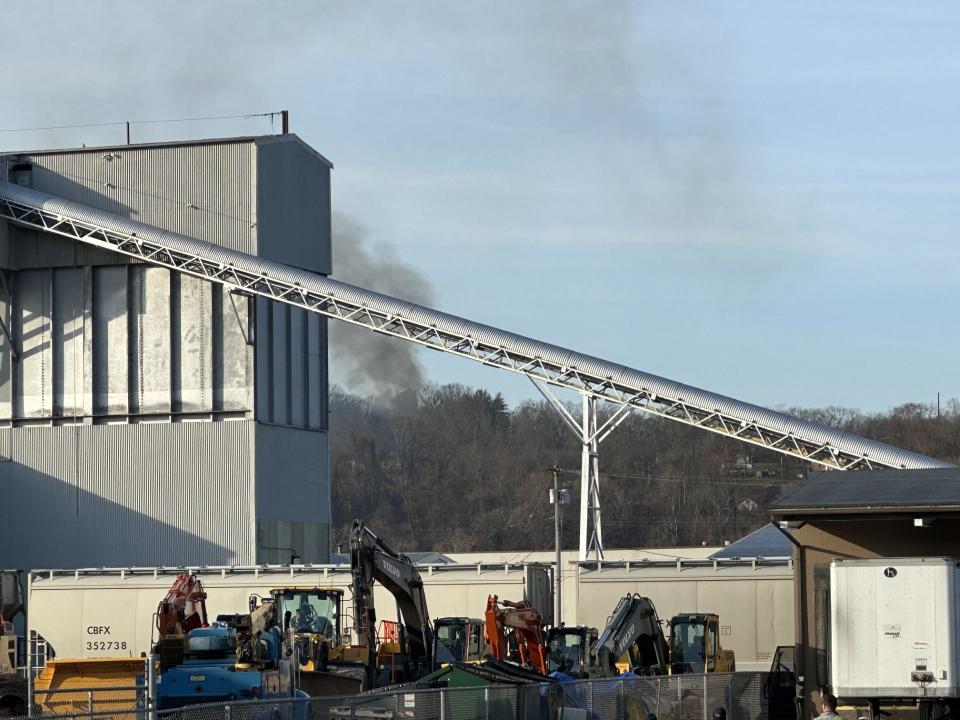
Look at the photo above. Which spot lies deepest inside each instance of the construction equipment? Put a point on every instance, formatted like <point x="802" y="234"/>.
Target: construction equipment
<point x="457" y="639"/>
<point x="182" y="610"/>
<point x="13" y="688"/>
<point x="568" y="651"/>
<point x="633" y="631"/>
<point x="241" y="657"/>
<point x="411" y="656"/>
<point x="523" y="624"/>
<point x="327" y="664"/>
<point x="110" y="682"/>
<point x="695" y="645"/>
<point x="632" y="641"/>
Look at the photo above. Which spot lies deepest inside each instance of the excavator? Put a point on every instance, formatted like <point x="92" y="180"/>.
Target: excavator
<point x="521" y="623"/>
<point x="634" y="632"/>
<point x="457" y="639"/>
<point x="183" y="609"/>
<point x="632" y="640"/>
<point x="411" y="656"/>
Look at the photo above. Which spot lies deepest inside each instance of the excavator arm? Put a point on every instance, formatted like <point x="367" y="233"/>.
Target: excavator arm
<point x="251" y="627"/>
<point x="184" y="608"/>
<point x="372" y="561"/>
<point x="633" y="629"/>
<point x="524" y="622"/>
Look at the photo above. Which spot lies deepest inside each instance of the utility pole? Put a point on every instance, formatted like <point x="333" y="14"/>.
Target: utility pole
<point x="558" y="497"/>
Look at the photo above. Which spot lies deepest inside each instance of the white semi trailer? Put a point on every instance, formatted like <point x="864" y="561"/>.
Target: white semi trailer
<point x="894" y="631"/>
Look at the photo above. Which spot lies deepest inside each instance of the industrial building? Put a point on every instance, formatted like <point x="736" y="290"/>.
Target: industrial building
<point x="867" y="514"/>
<point x="148" y="417"/>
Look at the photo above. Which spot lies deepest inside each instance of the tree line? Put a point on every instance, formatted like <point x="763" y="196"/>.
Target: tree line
<point x="455" y="469"/>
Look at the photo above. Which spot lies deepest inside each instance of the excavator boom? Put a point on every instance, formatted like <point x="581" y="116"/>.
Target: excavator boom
<point x="634" y="630"/>
<point x="526" y="625"/>
<point x="184" y="608"/>
<point x="372" y="560"/>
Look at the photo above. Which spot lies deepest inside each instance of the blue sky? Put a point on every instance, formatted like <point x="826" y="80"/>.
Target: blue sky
<point x="756" y="198"/>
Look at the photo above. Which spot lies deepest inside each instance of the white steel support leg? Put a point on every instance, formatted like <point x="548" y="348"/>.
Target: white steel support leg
<point x="590" y="437"/>
<point x="591" y="530"/>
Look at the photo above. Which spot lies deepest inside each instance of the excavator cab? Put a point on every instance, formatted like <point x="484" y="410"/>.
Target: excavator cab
<point x="568" y="650"/>
<point x="457" y="639"/>
<point x="695" y="645"/>
<point x="312" y="615"/>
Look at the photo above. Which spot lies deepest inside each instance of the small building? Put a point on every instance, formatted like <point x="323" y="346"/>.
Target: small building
<point x="862" y="514"/>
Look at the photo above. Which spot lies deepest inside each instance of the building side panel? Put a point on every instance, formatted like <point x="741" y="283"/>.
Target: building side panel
<point x="6" y="350"/>
<point x="297" y="349"/>
<point x="68" y="313"/>
<point x="293" y="204"/>
<point x="39" y="508"/>
<point x="280" y="362"/>
<point x="293" y="493"/>
<point x="110" y="341"/>
<point x="125" y="495"/>
<point x="263" y="365"/>
<point x="34" y="330"/>
<point x="150" y="340"/>
<point x="317" y="390"/>
<point x="204" y="191"/>
<point x="195" y="343"/>
<point x="236" y="358"/>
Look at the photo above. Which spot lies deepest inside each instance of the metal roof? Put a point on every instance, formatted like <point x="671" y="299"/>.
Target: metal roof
<point x="876" y="491"/>
<point x="767" y="542"/>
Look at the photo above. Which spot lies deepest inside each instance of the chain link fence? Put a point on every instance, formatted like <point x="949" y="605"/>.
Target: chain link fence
<point x="744" y="696"/>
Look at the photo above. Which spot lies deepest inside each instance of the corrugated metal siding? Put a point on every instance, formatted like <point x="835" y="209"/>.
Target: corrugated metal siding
<point x="291" y="366"/>
<point x="292" y="470"/>
<point x="118" y="340"/>
<point x="112" y="495"/>
<point x="204" y="191"/>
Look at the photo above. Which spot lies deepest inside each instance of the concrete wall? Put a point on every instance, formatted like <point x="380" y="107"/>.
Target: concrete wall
<point x="823" y="540"/>
<point x="103" y="343"/>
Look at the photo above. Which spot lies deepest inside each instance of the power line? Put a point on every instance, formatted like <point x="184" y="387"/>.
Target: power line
<point x="695" y="479"/>
<point x="120" y="123"/>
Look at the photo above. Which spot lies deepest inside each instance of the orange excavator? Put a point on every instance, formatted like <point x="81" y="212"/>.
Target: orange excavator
<point x="182" y="610"/>
<point x="525" y="627"/>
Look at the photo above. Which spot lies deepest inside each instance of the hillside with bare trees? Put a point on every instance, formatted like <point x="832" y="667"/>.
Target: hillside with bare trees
<point x="454" y="468"/>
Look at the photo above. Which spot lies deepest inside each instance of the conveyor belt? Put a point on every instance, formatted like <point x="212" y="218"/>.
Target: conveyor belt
<point x="455" y="335"/>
